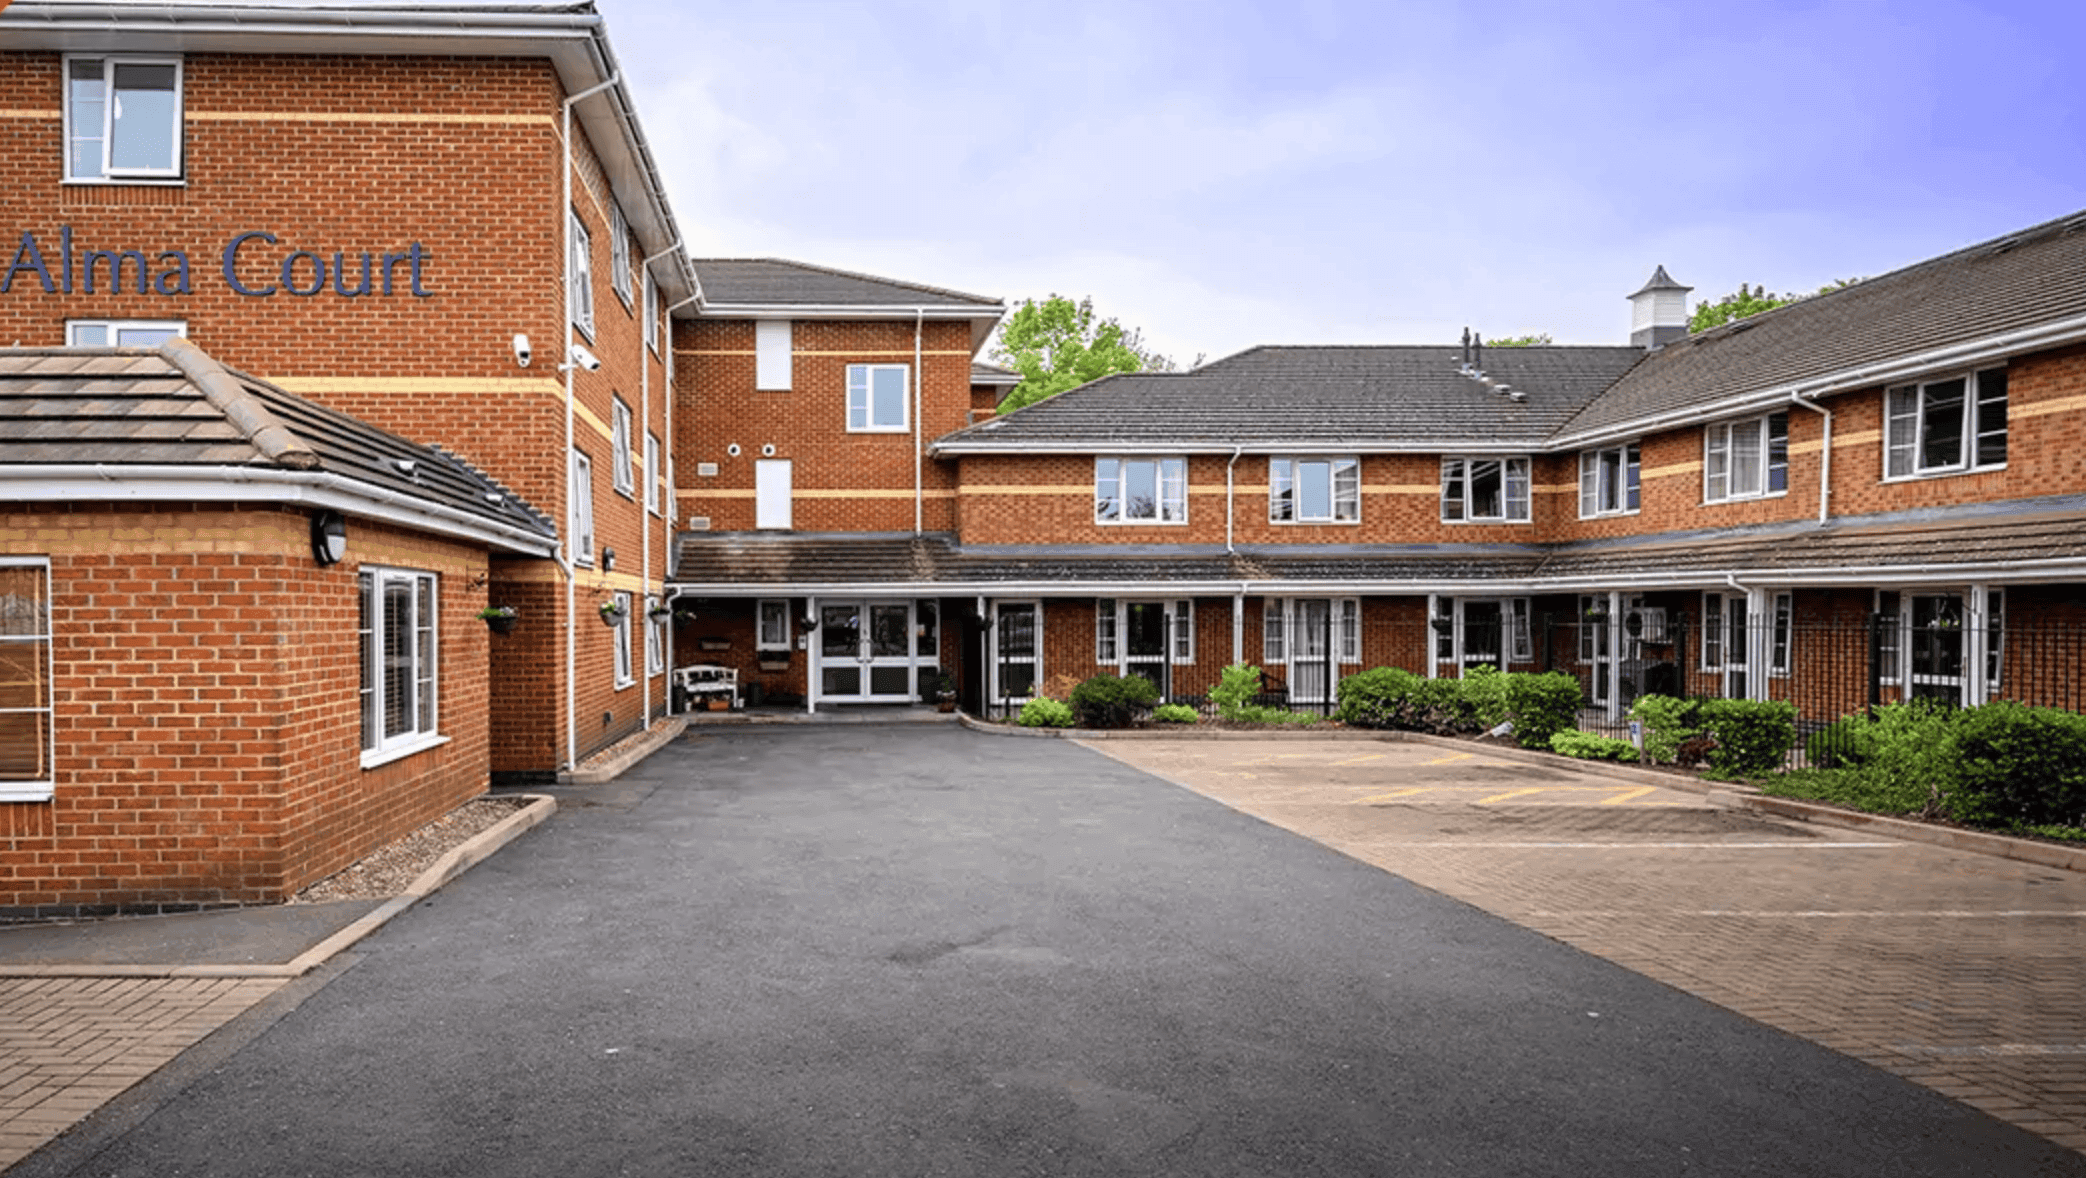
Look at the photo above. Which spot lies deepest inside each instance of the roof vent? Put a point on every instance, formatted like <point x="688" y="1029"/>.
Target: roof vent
<point x="407" y="467"/>
<point x="495" y="498"/>
<point x="1659" y="311"/>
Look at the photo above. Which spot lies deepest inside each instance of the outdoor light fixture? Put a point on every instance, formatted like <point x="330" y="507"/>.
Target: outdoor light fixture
<point x="608" y="560"/>
<point x="329" y="537"/>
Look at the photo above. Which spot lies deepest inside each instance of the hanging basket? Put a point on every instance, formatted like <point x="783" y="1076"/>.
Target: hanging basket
<point x="612" y="614"/>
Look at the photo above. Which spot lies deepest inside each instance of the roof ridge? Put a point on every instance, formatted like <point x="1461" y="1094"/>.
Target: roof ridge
<point x="247" y="413"/>
<point x="834" y="270"/>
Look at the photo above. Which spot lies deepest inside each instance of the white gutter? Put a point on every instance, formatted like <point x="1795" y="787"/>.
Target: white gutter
<point x="1228" y="503"/>
<point x="844" y="311"/>
<point x="1824" y="457"/>
<point x="919" y="442"/>
<point x="644" y="398"/>
<point x="104" y="483"/>
<point x="978" y="439"/>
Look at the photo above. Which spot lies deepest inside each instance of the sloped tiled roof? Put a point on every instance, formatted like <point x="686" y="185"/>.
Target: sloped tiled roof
<point x="1412" y="395"/>
<point x="773" y="282"/>
<point x="174" y="406"/>
<point x="983" y="373"/>
<point x="2024" y="280"/>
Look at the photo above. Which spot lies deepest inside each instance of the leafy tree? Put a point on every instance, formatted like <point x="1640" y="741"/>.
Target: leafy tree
<point x="1531" y="340"/>
<point x="1057" y="344"/>
<point x="1746" y="301"/>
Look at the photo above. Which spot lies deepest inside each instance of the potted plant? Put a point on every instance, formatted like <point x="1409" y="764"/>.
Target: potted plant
<point x="660" y="611"/>
<point x="500" y="619"/>
<point x="939" y="687"/>
<point x="613" y="611"/>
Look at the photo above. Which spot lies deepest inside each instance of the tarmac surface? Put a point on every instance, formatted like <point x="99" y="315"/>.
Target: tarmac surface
<point x="879" y="950"/>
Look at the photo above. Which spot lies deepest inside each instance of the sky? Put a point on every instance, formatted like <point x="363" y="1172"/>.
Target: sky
<point x="1220" y="175"/>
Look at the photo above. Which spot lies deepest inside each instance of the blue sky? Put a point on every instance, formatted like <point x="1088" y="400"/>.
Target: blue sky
<point x="1227" y="174"/>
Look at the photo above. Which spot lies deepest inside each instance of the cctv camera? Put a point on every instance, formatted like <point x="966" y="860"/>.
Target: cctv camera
<point x="583" y="358"/>
<point x="521" y="350"/>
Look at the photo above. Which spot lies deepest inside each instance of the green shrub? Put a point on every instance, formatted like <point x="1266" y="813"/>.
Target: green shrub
<point x="2016" y="765"/>
<point x="1175" y="714"/>
<point x="1380" y="697"/>
<point x="1542" y="705"/>
<point x="1668" y="724"/>
<point x="1908" y="755"/>
<point x="1258" y="714"/>
<point x="1443" y="705"/>
<point x="1752" y="735"/>
<point x="1591" y="746"/>
<point x="1239" y="683"/>
<point x="1484" y="691"/>
<point x="1044" y="712"/>
<point x="1112" y="701"/>
<point x="1842" y="744"/>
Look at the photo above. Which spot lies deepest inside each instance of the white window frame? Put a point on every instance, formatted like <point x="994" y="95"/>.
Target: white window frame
<point x="619" y="254"/>
<point x="626" y="674"/>
<point x="861" y="399"/>
<point x="1781" y="639"/>
<point x="105" y="132"/>
<point x="1278" y="622"/>
<point x="1169" y="479"/>
<point x="1723" y="464"/>
<point x="771" y="624"/>
<point x="425" y="708"/>
<point x="1905" y="425"/>
<point x="650" y="309"/>
<point x="38" y="633"/>
<point x="1517" y="637"/>
<point x="1034" y="659"/>
<point x="655" y="639"/>
<point x="1610" y="481"/>
<point x="579" y="275"/>
<point x="1107" y="650"/>
<point x="1341" y="476"/>
<point x="1180" y="622"/>
<point x="1982" y="610"/>
<point x="621" y="462"/>
<point x="579" y="508"/>
<point x="116" y="327"/>
<point x="1515" y="491"/>
<point x="774" y="351"/>
<point x="652" y="473"/>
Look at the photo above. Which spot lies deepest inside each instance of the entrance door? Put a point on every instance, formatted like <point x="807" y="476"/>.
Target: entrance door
<point x="866" y="651"/>
<point x="771" y="493"/>
<point x="1144" y="649"/>
<point x="1310" y="650"/>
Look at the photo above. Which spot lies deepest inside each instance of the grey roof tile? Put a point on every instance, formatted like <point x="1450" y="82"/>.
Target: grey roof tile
<point x="773" y="282"/>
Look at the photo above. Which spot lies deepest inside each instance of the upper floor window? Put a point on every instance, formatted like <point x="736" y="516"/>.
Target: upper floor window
<point x="122" y="118"/>
<point x="122" y="333"/>
<point x="619" y="252"/>
<point x="1314" y="490"/>
<point x="651" y="311"/>
<point x="771" y="363"/>
<point x="621" y="461"/>
<point x="1608" y="481"/>
<point x="579" y="277"/>
<point x="1484" y="490"/>
<point x="1944" y="426"/>
<point x="1141" y="490"/>
<point x="876" y="398"/>
<point x="579" y="510"/>
<point x="1745" y="459"/>
<point x="653" y="477"/>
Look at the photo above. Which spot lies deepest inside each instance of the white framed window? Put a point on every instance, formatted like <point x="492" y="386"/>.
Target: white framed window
<point x="1274" y="631"/>
<point x="122" y="333"/>
<point x="1314" y="490"/>
<point x="876" y="398"/>
<point x="1017" y="649"/>
<point x="1608" y="481"/>
<point x="122" y="118"/>
<point x="1280" y="616"/>
<point x="624" y="675"/>
<point x="579" y="509"/>
<point x="1182" y="620"/>
<point x="621" y="462"/>
<point x="1484" y="490"/>
<point x="1726" y="630"/>
<point x="1782" y="640"/>
<point x="1745" y="459"/>
<point x="579" y="276"/>
<point x="25" y="680"/>
<point x="619" y="253"/>
<point x="1946" y="426"/>
<point x="652" y="473"/>
<point x="773" y="630"/>
<point x="655" y="638"/>
<point x="1947" y="644"/>
<point x="650" y="325"/>
<point x="1489" y="630"/>
<point x="772" y="353"/>
<point x="1105" y="648"/>
<point x="397" y="631"/>
<point x="1141" y="490"/>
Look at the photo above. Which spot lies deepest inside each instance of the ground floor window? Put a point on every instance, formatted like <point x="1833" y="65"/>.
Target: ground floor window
<point x="397" y="631"/>
<point x="1307" y="636"/>
<point x="655" y="637"/>
<point x="772" y="630"/>
<point x="624" y="675"/>
<point x="25" y="681"/>
<point x="1948" y="645"/>
<point x="1488" y="630"/>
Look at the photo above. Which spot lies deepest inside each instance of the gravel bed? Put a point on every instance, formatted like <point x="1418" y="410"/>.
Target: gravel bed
<point x="390" y="870"/>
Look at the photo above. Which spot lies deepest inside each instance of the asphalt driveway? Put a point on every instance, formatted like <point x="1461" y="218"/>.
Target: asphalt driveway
<point x="892" y="951"/>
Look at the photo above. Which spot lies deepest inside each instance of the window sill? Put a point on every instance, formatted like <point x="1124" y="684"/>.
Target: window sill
<point x="625" y="684"/>
<point x="629" y="493"/>
<point x="1314" y="523"/>
<point x="1781" y="494"/>
<point x="1611" y="514"/>
<point x="372" y="759"/>
<point x="126" y="181"/>
<point x="27" y="791"/>
<point x="1141" y="523"/>
<point x="876" y="429"/>
<point x="1952" y="472"/>
<point x="1464" y="523"/>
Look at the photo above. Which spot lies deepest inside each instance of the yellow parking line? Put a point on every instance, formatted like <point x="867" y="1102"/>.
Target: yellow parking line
<point x="1361" y="760"/>
<point x="1630" y="794"/>
<point x="1452" y="758"/>
<point x="1396" y="793"/>
<point x="1512" y="793"/>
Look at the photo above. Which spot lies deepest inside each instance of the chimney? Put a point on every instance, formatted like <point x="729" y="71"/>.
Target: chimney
<point x="1659" y="312"/>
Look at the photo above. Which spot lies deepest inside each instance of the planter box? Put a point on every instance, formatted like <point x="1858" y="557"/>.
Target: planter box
<point x="717" y="704"/>
<point x="713" y="644"/>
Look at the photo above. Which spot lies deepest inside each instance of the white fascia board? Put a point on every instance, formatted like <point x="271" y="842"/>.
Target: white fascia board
<point x="710" y="310"/>
<point x="1968" y="354"/>
<point x="110" y="483"/>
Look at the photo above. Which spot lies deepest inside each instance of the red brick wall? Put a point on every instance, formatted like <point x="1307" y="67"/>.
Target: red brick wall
<point x="842" y="481"/>
<point x="206" y="723"/>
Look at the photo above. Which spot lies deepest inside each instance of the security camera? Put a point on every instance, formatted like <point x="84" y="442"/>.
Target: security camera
<point x="582" y="358"/>
<point x="521" y="350"/>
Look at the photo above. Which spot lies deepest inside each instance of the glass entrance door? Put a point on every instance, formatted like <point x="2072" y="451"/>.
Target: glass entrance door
<point x="1310" y="650"/>
<point x="1144" y="650"/>
<point x="866" y="651"/>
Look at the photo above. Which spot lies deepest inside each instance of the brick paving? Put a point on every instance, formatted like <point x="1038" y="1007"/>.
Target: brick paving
<point x="68" y="1045"/>
<point x="1961" y="972"/>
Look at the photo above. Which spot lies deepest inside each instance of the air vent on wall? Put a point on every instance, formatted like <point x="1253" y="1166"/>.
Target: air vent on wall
<point x="698" y="523"/>
<point x="706" y="470"/>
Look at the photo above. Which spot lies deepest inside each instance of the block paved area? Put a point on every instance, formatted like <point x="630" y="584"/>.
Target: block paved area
<point x="1961" y="972"/>
<point x="69" y="1045"/>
